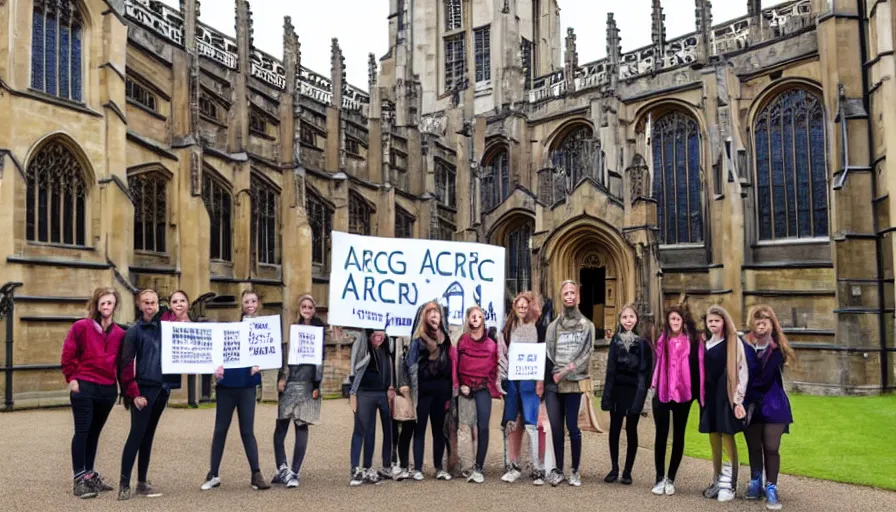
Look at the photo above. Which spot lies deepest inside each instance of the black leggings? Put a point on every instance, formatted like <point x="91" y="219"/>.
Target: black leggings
<point x="298" y="453"/>
<point x="143" y="430"/>
<point x="483" y="413"/>
<point x="91" y="406"/>
<point x="631" y="439"/>
<point x="566" y="406"/>
<point x="763" y="443"/>
<point x="405" y="432"/>
<point x="243" y="400"/>
<point x="431" y="406"/>
<point x="364" y="433"/>
<point x="661" y="413"/>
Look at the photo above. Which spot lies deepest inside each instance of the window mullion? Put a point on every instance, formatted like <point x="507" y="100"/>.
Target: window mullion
<point x="771" y="175"/>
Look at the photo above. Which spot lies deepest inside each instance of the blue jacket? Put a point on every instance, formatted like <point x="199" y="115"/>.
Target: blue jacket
<point x="239" y="378"/>
<point x="765" y="389"/>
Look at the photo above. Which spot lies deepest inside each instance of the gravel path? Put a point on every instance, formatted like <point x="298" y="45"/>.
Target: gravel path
<point x="35" y="469"/>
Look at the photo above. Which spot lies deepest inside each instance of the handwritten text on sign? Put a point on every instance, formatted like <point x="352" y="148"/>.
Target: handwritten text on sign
<point x="264" y="343"/>
<point x="377" y="283"/>
<point x="526" y="361"/>
<point x="306" y="345"/>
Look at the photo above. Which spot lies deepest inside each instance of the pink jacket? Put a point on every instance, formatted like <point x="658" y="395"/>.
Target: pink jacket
<point x="475" y="364"/>
<point x="672" y="373"/>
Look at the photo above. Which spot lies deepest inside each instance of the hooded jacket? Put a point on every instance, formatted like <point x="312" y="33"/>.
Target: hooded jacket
<point x="140" y="363"/>
<point x="91" y="354"/>
<point x="360" y="359"/>
<point x="408" y="376"/>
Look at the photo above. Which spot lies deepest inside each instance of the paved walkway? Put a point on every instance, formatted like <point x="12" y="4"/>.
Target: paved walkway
<point x="35" y="471"/>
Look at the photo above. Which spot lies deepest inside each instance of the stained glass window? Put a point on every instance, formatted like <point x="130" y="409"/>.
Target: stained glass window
<point x="791" y="178"/>
<point x="265" y="222"/>
<point x="56" y="48"/>
<point x="149" y="191"/>
<point x="482" y="40"/>
<point x="218" y="202"/>
<point x="320" y="218"/>
<point x="56" y="193"/>
<point x="675" y="141"/>
<point x="495" y="184"/>
<point x="358" y="215"/>
<point x="519" y="260"/>
<point x="446" y="177"/>
<point x="455" y="62"/>
<point x="575" y="155"/>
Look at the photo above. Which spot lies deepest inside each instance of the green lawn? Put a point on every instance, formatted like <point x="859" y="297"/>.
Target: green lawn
<point x="845" y="439"/>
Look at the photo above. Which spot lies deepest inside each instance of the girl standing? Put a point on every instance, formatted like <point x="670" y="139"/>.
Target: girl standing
<point x="145" y="388"/>
<point x="89" y="363"/>
<point x="235" y="389"/>
<point x="429" y="370"/>
<point x="570" y="341"/>
<point x="476" y="376"/>
<point x="678" y="381"/>
<point x="523" y="397"/>
<point x="629" y="365"/>
<point x="298" y="403"/>
<point x="726" y="376"/>
<point x="373" y="387"/>
<point x="770" y="416"/>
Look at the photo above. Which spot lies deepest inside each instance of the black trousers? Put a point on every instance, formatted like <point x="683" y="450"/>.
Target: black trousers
<point x="679" y="415"/>
<point x="432" y="406"/>
<point x="143" y="431"/>
<point x="483" y="413"/>
<point x="243" y="400"/>
<point x="364" y="434"/>
<point x="564" y="407"/>
<point x="631" y="439"/>
<point x="91" y="406"/>
<point x="298" y="453"/>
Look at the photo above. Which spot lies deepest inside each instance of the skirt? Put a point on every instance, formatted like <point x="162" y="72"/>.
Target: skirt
<point x="717" y="416"/>
<point x="296" y="404"/>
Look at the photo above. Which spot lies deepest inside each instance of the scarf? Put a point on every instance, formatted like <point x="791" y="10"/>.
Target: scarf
<point x="628" y="338"/>
<point x="432" y="340"/>
<point x="570" y="318"/>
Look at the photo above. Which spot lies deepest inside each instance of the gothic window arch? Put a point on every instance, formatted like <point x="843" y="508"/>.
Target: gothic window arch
<point x="519" y="260"/>
<point x="57" y="31"/>
<point x="265" y="221"/>
<point x="791" y="179"/>
<point x="404" y="223"/>
<point x="675" y="142"/>
<point x="446" y="184"/>
<point x="358" y="215"/>
<point x="574" y="155"/>
<point x="496" y="179"/>
<point x="56" y="201"/>
<point x="320" y="218"/>
<point x="149" y="190"/>
<point x="218" y="201"/>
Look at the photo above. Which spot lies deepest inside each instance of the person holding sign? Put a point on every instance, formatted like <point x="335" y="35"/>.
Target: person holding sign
<point x="146" y="389"/>
<point x="523" y="397"/>
<point x="569" y="343"/>
<point x="89" y="363"/>
<point x="235" y="389"/>
<point x="629" y="367"/>
<point x="298" y="403"/>
<point x="373" y="386"/>
<point x="476" y="378"/>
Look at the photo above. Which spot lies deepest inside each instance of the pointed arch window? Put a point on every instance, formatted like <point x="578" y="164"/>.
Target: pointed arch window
<point x="791" y="179"/>
<point x="56" y="197"/>
<point x="404" y="224"/>
<point x="675" y="142"/>
<point x="320" y="218"/>
<point x="575" y="154"/>
<point x="265" y="222"/>
<point x="496" y="180"/>
<point x="57" y="28"/>
<point x="150" y="193"/>
<point x="219" y="203"/>
<point x="519" y="260"/>
<point x="358" y="215"/>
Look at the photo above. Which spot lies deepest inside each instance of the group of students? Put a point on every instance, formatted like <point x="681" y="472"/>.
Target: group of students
<point x="738" y="383"/>
<point x="99" y="358"/>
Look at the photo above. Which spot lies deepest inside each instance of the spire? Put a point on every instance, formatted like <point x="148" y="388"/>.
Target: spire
<point x="371" y="72"/>
<point x="658" y="33"/>
<point x="290" y="54"/>
<point x="337" y="73"/>
<point x="614" y="50"/>
<point x="754" y="8"/>
<point x="572" y="60"/>
<point x="703" y="14"/>
<point x="243" y="34"/>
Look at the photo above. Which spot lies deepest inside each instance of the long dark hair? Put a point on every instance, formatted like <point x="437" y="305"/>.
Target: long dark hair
<point x="688" y="326"/>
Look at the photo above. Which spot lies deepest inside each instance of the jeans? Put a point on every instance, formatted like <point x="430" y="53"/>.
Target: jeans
<point x="560" y="407"/>
<point x="365" y="428"/>
<point x="91" y="406"/>
<point x="243" y="400"/>
<point x="143" y="430"/>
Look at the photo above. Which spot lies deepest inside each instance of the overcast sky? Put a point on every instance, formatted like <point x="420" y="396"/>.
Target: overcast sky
<point x="362" y="27"/>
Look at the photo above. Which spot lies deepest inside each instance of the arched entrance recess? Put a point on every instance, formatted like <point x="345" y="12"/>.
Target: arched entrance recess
<point x="599" y="258"/>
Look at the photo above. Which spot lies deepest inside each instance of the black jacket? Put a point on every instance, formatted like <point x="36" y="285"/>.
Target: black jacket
<point x="633" y="369"/>
<point x="143" y="343"/>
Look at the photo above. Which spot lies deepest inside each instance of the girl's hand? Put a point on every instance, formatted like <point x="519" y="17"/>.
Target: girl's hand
<point x="391" y="393"/>
<point x="281" y="386"/>
<point x="73" y="386"/>
<point x="558" y="377"/>
<point x="140" y="402"/>
<point x="539" y="388"/>
<point x="254" y="370"/>
<point x="315" y="394"/>
<point x="571" y="367"/>
<point x="739" y="412"/>
<point x="219" y="373"/>
<point x="465" y="390"/>
<point x="405" y="391"/>
<point x="353" y="402"/>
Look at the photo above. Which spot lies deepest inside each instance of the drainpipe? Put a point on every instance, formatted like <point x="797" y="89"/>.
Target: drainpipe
<point x="7" y="311"/>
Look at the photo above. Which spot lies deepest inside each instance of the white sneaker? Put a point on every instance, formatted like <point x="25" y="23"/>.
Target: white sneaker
<point x="725" y="495"/>
<point x="211" y="482"/>
<point x="556" y="477"/>
<point x="538" y="478"/>
<point x="574" y="479"/>
<point x="418" y="476"/>
<point x="476" y="477"/>
<point x="293" y="481"/>
<point x="443" y="475"/>
<point x="403" y="474"/>
<point x="670" y="487"/>
<point x="512" y="475"/>
<point x="660" y="488"/>
<point x="396" y="470"/>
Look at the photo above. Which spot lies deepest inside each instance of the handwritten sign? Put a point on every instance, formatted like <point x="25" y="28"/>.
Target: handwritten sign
<point x="306" y="345"/>
<point x="264" y="343"/>
<point x="193" y="348"/>
<point x="526" y="361"/>
<point x="377" y="282"/>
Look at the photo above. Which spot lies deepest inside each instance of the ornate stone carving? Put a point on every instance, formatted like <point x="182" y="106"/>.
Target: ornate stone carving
<point x="639" y="179"/>
<point x="434" y="124"/>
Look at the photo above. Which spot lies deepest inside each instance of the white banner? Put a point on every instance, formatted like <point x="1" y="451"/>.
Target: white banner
<point x="195" y="348"/>
<point x="264" y="343"/>
<point x="380" y="282"/>
<point x="306" y="345"/>
<point x="526" y="361"/>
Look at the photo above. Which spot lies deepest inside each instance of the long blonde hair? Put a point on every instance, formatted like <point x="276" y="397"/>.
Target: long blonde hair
<point x="421" y="324"/>
<point x="94" y="302"/>
<point x="732" y="340"/>
<point x="765" y="312"/>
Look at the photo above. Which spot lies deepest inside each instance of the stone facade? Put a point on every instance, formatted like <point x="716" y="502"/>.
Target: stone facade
<point x="742" y="163"/>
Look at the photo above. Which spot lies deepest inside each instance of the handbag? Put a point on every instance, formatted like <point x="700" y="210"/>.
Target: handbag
<point x="403" y="409"/>
<point x="586" y="385"/>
